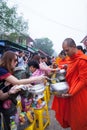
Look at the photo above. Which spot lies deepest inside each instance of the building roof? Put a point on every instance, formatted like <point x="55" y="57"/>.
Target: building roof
<point x="30" y="39"/>
<point x="84" y="41"/>
<point x="42" y="52"/>
<point x="13" y="45"/>
<point x="31" y="49"/>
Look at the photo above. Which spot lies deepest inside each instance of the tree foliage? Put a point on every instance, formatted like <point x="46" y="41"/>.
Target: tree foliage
<point x="45" y="45"/>
<point x="9" y="20"/>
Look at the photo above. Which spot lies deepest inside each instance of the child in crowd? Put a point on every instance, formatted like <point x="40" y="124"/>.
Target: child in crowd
<point x="34" y="68"/>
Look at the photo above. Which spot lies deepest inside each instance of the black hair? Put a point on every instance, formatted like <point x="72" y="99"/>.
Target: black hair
<point x="21" y="51"/>
<point x="63" y="53"/>
<point x="33" y="63"/>
<point x="36" y="58"/>
<point x="79" y="47"/>
<point x="43" y="57"/>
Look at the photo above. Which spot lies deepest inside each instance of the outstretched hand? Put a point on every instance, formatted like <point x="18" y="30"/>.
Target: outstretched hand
<point x="14" y="90"/>
<point x="40" y="78"/>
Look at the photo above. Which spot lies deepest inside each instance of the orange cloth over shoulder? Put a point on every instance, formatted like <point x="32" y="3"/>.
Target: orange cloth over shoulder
<point x="77" y="80"/>
<point x="60" y="62"/>
<point x="57" y="59"/>
<point x="63" y="62"/>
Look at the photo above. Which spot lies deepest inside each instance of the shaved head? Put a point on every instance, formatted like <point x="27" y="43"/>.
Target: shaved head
<point x="69" y="46"/>
<point x="70" y="42"/>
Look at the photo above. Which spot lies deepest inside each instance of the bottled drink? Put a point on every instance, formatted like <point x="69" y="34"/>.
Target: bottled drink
<point x="13" y="125"/>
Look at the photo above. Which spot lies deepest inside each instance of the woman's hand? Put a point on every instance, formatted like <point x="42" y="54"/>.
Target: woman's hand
<point x="56" y="69"/>
<point x="39" y="78"/>
<point x="28" y="85"/>
<point x="14" y="90"/>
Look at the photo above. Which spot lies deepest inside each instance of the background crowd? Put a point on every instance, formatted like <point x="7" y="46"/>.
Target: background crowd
<point x="16" y="69"/>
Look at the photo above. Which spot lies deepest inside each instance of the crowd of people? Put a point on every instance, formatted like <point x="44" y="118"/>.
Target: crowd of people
<point x="70" y="108"/>
<point x="8" y="62"/>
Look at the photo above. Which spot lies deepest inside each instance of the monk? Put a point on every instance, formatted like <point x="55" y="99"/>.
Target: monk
<point x="77" y="79"/>
<point x="59" y="103"/>
<point x="63" y="62"/>
<point x="75" y="112"/>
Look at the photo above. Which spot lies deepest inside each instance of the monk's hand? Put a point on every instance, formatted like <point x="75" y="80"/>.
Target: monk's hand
<point x="66" y="95"/>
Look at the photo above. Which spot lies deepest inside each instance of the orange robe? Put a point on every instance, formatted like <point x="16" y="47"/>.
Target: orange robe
<point x="59" y="61"/>
<point x="77" y="80"/>
<point x="59" y="104"/>
<point x="75" y="107"/>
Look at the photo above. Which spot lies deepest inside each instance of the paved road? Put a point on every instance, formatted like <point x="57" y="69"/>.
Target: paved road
<point x="54" y="125"/>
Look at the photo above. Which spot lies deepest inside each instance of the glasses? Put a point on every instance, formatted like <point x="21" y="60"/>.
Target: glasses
<point x="15" y="60"/>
